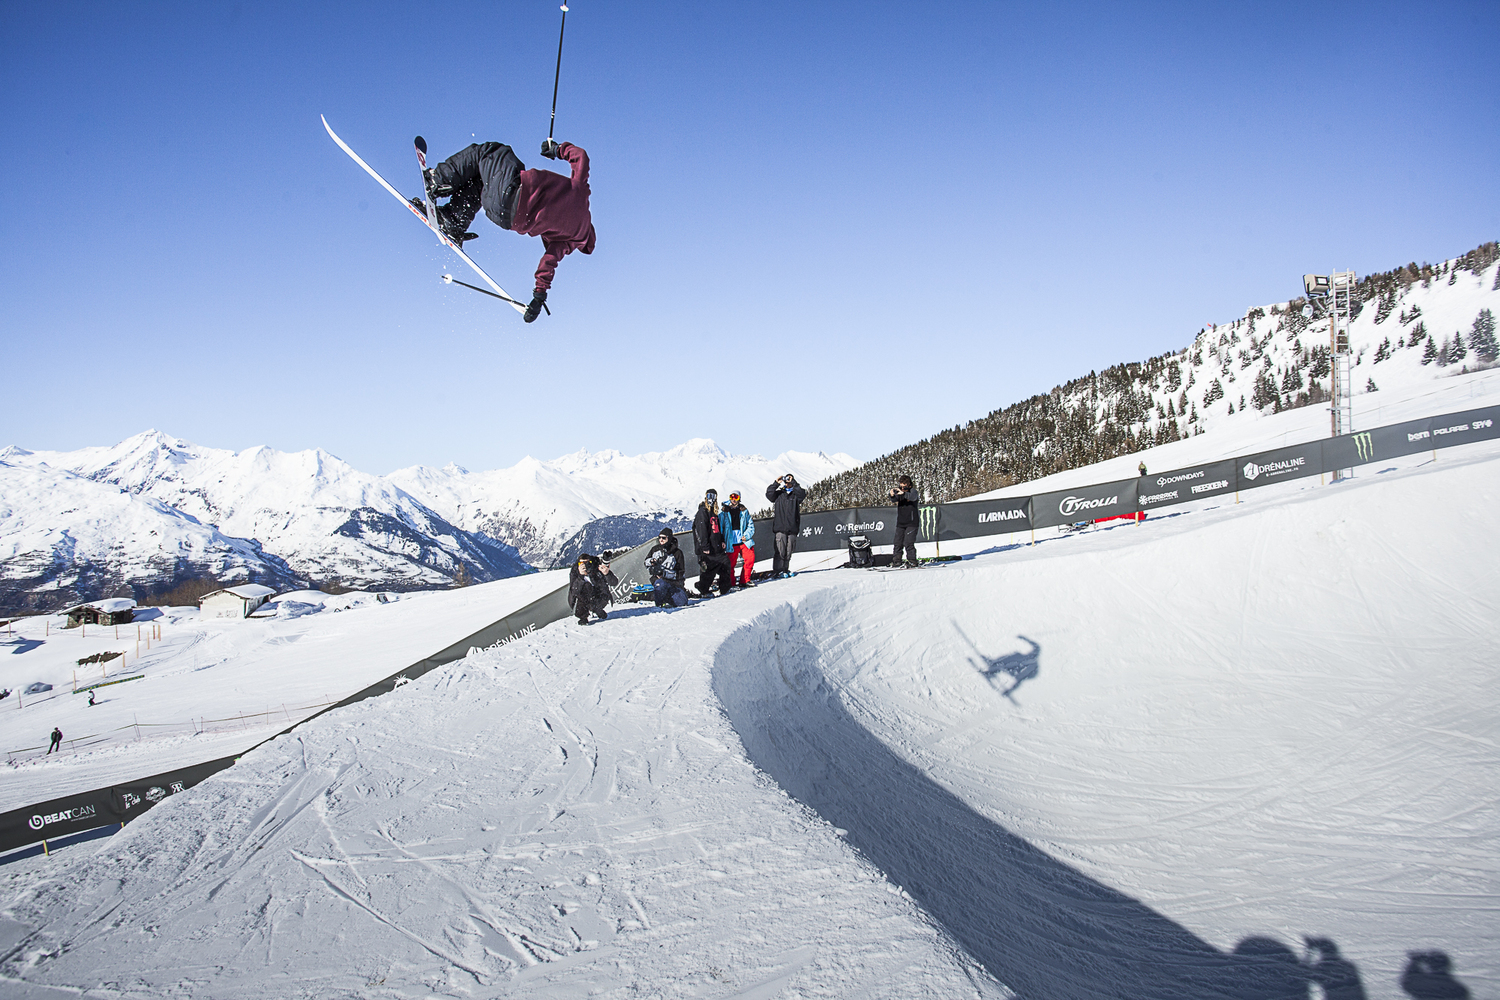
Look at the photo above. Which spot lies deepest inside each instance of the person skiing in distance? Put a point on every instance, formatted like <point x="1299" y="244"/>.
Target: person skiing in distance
<point x="786" y="501"/>
<point x="739" y="538"/>
<point x="542" y="203"/>
<point x="588" y="588"/>
<point x="56" y="743"/>
<point x="667" y="569"/>
<point x="906" y="522"/>
<point x="708" y="541"/>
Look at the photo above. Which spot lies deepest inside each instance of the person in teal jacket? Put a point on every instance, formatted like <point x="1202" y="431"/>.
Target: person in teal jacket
<point x="739" y="537"/>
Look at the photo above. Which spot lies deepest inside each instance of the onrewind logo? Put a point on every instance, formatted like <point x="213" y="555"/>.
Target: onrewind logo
<point x="1365" y="445"/>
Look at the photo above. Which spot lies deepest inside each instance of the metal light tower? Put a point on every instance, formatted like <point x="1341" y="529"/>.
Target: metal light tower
<point x="1333" y="295"/>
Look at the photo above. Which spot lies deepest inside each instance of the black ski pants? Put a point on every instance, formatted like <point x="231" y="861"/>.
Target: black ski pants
<point x="786" y="544"/>
<point x="714" y="565"/>
<point x="590" y="598"/>
<point x="482" y="175"/>
<point x="906" y="535"/>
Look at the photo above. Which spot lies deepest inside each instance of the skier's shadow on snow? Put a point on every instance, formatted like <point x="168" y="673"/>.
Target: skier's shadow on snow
<point x="1043" y="928"/>
<point x="1017" y="667"/>
<point x="22" y="645"/>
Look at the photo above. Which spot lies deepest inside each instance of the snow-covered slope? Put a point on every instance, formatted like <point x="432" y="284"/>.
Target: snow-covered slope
<point x="538" y="506"/>
<point x="1153" y="761"/>
<point x="65" y="539"/>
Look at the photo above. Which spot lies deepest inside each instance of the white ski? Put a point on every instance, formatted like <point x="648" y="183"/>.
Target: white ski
<point x="430" y="224"/>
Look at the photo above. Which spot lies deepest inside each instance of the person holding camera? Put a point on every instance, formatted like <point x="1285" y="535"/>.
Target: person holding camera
<point x="668" y="571"/>
<point x="906" y="500"/>
<point x="786" y="502"/>
<point x="589" y="585"/>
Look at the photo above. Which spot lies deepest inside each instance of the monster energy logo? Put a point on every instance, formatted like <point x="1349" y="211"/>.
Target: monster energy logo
<point x="1365" y="446"/>
<point x="929" y="521"/>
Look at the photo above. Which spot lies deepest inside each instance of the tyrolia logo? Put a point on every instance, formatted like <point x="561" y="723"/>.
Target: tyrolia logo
<point x="1072" y="505"/>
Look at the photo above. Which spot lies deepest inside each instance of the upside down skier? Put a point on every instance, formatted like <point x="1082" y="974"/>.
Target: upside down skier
<point x="542" y="203"/>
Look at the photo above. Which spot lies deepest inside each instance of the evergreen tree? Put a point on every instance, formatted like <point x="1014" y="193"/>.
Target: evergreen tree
<point x="1429" y="353"/>
<point x="1383" y="351"/>
<point x="1482" y="336"/>
<point x="1457" y="351"/>
<point x="1370" y="386"/>
<point x="1265" y="391"/>
<point x="1442" y="354"/>
<point x="1214" y="392"/>
<point x="1417" y="333"/>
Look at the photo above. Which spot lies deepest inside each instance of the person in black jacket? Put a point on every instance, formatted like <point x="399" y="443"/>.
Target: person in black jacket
<point x="786" y="499"/>
<point x="906" y="522"/>
<point x="668" y="570"/>
<point x="708" y="541"/>
<point x="588" y="588"/>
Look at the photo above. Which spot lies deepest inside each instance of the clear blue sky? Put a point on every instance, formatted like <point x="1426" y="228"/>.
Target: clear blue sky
<point x="837" y="226"/>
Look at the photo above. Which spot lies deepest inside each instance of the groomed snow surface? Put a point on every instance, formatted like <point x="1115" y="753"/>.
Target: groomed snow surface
<point x="1142" y="762"/>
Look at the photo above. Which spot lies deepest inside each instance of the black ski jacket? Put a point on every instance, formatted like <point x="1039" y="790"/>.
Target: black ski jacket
<point x="788" y="507"/>
<point x="906" y="507"/>
<point x="598" y="584"/>
<point x="708" y="535"/>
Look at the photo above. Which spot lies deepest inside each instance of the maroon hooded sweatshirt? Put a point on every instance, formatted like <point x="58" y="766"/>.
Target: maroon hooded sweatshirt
<point x="556" y="208"/>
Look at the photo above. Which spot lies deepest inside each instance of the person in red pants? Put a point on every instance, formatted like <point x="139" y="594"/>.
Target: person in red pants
<point x="739" y="537"/>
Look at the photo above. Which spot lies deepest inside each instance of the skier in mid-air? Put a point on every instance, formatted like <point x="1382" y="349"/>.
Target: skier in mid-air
<point x="542" y="203"/>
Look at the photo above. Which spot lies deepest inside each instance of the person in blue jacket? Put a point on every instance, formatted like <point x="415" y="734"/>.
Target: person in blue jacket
<point x="739" y="538"/>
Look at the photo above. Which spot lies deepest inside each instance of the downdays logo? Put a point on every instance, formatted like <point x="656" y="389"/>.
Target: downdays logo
<point x="1071" y="505"/>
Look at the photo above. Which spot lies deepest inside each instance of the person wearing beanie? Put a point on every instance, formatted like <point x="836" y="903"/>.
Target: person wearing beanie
<point x="708" y="541"/>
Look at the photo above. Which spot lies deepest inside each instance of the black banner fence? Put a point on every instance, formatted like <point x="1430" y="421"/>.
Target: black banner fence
<point x="826" y="531"/>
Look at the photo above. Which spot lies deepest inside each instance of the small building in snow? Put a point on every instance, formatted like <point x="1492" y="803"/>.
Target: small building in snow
<point x="110" y="611"/>
<point x="233" y="602"/>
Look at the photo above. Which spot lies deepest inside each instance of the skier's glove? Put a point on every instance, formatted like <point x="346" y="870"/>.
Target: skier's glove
<point x="550" y="148"/>
<point x="535" y="309"/>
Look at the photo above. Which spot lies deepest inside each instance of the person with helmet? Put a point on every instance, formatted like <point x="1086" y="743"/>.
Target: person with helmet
<point x="786" y="501"/>
<point x="739" y="538"/>
<point x="589" y="584"/>
<point x="708" y="540"/>
<point x="665" y="565"/>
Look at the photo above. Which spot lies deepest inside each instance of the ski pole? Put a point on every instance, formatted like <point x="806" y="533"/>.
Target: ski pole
<point x="449" y="279"/>
<point x="558" y="75"/>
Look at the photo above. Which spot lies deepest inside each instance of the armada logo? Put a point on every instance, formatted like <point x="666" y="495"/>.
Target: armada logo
<point x="1285" y="465"/>
<point x="1071" y="505"/>
<point x="40" y="820"/>
<point x="1016" y="514"/>
<point x="1365" y="445"/>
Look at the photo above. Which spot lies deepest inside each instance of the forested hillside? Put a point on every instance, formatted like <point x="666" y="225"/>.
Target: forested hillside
<point x="1272" y="358"/>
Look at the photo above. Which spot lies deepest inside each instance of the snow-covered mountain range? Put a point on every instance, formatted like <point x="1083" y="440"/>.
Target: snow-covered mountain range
<point x="154" y="511"/>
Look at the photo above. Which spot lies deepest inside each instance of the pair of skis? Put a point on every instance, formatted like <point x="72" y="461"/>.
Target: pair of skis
<point x="430" y="218"/>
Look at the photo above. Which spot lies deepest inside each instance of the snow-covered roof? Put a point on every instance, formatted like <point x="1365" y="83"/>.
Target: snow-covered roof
<point x="249" y="591"/>
<point x="110" y="605"/>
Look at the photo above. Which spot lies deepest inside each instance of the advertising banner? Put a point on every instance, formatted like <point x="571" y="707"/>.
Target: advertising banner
<point x="1084" y="503"/>
<point x="977" y="518"/>
<point x="1181" y="485"/>
<point x="98" y="807"/>
<point x="1281" y="465"/>
<point x="1465" y="426"/>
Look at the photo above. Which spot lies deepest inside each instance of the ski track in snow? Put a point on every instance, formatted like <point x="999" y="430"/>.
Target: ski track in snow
<point x="1145" y="761"/>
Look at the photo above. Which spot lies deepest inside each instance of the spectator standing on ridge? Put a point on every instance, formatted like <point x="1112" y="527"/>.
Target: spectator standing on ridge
<point x="56" y="743"/>
<point x="588" y="588"/>
<point x="708" y="541"/>
<point x="666" y="566"/>
<point x="739" y="538"/>
<point x="786" y="501"/>
<point x="1143" y="468"/>
<point x="906" y="522"/>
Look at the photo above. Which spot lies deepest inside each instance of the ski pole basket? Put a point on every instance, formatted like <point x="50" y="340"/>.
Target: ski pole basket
<point x="860" y="556"/>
